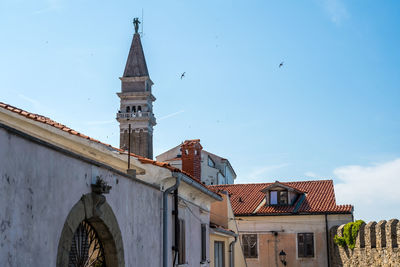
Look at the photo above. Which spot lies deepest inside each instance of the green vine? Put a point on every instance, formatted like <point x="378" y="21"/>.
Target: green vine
<point x="350" y="232"/>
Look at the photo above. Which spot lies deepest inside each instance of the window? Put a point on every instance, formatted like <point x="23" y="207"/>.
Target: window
<point x="278" y="197"/>
<point x="211" y="162"/>
<point x="283" y="197"/>
<point x="203" y="243"/>
<point x="134" y="109"/>
<point x="274" y="197"/>
<point x="182" y="243"/>
<point x="305" y="245"/>
<point x="128" y="109"/>
<point x="250" y="245"/>
<point x="219" y="260"/>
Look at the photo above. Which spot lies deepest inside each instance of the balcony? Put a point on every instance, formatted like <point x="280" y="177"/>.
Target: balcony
<point x="133" y="115"/>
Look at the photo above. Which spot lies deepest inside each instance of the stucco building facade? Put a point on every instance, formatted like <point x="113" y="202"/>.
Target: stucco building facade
<point x="49" y="188"/>
<point x="291" y="218"/>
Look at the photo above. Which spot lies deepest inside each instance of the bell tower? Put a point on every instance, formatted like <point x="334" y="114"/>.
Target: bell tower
<point x="136" y="102"/>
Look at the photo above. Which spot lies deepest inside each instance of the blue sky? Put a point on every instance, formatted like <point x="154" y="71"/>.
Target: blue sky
<point x="331" y="112"/>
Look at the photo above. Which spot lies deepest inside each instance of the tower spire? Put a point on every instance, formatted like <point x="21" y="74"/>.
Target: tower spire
<point x="136" y="62"/>
<point x="136" y="101"/>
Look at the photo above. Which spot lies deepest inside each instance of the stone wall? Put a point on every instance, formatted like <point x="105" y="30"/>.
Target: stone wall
<point x="377" y="244"/>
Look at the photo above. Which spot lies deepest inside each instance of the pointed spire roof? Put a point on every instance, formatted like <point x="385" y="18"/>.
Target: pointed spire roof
<point x="136" y="63"/>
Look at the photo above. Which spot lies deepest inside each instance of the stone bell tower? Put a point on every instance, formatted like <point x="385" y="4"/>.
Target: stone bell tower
<point x="136" y="100"/>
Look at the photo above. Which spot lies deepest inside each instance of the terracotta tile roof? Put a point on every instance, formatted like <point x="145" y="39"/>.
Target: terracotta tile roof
<point x="48" y="121"/>
<point x="319" y="198"/>
<point x="174" y="159"/>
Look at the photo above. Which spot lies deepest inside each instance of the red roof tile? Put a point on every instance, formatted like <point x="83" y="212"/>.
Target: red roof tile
<point x="48" y="121"/>
<point x="320" y="198"/>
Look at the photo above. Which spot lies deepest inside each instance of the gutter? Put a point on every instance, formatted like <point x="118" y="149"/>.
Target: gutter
<point x="287" y="213"/>
<point x="232" y="252"/>
<point x="196" y="185"/>
<point x="165" y="219"/>
<point x="225" y="232"/>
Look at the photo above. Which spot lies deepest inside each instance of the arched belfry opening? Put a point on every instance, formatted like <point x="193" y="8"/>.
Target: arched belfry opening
<point x="91" y="235"/>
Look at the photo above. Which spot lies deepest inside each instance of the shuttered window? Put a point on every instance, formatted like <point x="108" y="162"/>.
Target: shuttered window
<point x="219" y="260"/>
<point x="250" y="245"/>
<point x="203" y="243"/>
<point x="305" y="245"/>
<point x="182" y="243"/>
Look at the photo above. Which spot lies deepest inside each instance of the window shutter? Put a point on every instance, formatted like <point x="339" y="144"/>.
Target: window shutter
<point x="182" y="245"/>
<point x="203" y="243"/>
<point x="309" y="245"/>
<point x="300" y="245"/>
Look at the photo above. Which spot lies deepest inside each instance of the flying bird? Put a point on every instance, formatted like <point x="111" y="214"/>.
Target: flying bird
<point x="281" y="64"/>
<point x="183" y="75"/>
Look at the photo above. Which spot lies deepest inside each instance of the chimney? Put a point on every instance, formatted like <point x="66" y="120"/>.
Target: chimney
<point x="191" y="157"/>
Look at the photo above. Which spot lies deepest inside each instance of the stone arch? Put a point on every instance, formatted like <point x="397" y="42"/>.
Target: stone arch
<point x="93" y="208"/>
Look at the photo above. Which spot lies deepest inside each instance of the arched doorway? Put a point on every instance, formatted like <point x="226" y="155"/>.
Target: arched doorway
<point x="91" y="236"/>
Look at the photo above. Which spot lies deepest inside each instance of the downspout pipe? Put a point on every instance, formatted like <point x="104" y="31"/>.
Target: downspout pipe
<point x="327" y="239"/>
<point x="165" y="219"/>
<point x="231" y="252"/>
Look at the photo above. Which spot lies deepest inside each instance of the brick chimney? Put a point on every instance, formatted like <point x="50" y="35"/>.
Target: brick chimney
<point x="191" y="157"/>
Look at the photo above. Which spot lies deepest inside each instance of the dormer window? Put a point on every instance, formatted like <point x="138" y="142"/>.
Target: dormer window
<point x="278" y="197"/>
<point x="211" y="163"/>
<point x="281" y="194"/>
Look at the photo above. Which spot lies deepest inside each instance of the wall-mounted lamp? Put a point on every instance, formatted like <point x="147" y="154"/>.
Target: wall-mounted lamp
<point x="282" y="257"/>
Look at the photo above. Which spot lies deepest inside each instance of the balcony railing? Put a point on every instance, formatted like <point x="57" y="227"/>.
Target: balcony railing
<point x="130" y="115"/>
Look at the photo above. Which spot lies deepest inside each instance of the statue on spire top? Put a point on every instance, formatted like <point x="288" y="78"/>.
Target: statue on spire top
<point x="136" y="22"/>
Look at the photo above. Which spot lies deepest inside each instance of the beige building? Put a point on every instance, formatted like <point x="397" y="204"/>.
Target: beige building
<point x="225" y="247"/>
<point x="286" y="223"/>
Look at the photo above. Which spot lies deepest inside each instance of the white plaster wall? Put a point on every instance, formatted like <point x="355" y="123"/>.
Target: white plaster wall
<point x="38" y="188"/>
<point x="194" y="217"/>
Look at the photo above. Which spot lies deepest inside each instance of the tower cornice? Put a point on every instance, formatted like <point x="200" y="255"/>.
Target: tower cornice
<point x="136" y="95"/>
<point x="136" y="79"/>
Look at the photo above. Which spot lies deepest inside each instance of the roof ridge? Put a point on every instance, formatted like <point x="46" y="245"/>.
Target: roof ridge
<point x="305" y="181"/>
<point x="62" y="127"/>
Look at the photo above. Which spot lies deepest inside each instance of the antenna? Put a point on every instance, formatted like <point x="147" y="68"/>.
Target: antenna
<point x="142" y="33"/>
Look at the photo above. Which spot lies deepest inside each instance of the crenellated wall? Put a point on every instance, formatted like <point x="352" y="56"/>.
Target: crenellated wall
<point x="377" y="244"/>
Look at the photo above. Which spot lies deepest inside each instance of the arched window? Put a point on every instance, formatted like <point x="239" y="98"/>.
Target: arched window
<point x="134" y="109"/>
<point x="86" y="248"/>
<point x="139" y="108"/>
<point x="128" y="109"/>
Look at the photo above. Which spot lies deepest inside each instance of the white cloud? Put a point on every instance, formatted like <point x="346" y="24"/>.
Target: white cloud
<point x="170" y="115"/>
<point x="36" y="106"/>
<point x="34" y="102"/>
<point x="51" y="5"/>
<point x="373" y="190"/>
<point x="335" y="9"/>
<point x="311" y="174"/>
<point x="261" y="172"/>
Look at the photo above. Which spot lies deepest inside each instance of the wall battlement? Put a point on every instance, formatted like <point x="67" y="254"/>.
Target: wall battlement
<point x="377" y="244"/>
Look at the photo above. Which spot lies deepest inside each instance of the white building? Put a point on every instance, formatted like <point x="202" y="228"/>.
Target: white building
<point x="206" y="166"/>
